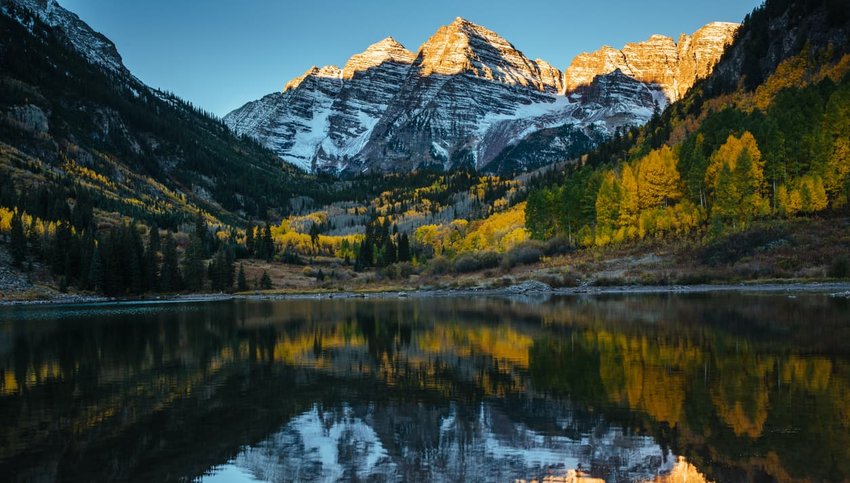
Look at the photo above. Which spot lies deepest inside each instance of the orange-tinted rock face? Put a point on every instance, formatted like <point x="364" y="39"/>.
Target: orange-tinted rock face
<point x="467" y="96"/>
<point x="674" y="66"/>
<point x="463" y="47"/>
<point x="387" y="50"/>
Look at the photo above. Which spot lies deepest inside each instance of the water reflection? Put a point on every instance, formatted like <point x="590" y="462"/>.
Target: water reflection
<point x="623" y="388"/>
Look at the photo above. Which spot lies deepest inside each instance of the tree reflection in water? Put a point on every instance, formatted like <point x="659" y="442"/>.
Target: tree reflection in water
<point x="625" y="388"/>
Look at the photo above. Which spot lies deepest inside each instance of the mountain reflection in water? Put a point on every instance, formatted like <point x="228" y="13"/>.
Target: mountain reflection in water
<point x="723" y="387"/>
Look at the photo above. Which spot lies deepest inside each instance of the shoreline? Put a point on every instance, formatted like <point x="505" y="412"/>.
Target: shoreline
<point x="524" y="289"/>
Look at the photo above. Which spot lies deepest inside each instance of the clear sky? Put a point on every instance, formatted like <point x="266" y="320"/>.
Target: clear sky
<point x="219" y="54"/>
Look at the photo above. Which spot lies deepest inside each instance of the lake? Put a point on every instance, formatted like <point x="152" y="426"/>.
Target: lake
<point x="652" y="387"/>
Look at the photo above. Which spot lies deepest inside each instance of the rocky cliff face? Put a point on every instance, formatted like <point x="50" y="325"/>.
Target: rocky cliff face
<point x="324" y="117"/>
<point x="96" y="48"/>
<point x="672" y="66"/>
<point x="467" y="98"/>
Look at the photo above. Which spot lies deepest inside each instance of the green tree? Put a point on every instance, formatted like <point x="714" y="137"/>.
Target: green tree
<point x="170" y="279"/>
<point x="193" y="264"/>
<point x="608" y="208"/>
<point x="265" y="281"/>
<point x="727" y="197"/>
<point x="403" y="248"/>
<point x="241" y="283"/>
<point x="18" y="240"/>
<point x="95" y="268"/>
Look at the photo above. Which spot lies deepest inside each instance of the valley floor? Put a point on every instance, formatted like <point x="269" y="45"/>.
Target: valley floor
<point x="798" y="255"/>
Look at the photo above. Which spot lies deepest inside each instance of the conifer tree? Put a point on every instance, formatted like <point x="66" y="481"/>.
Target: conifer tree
<point x="265" y="281"/>
<point x="95" y="274"/>
<point x="170" y="272"/>
<point x="403" y="248"/>
<point x="193" y="264"/>
<point x="18" y="241"/>
<point x="249" y="240"/>
<point x="241" y="283"/>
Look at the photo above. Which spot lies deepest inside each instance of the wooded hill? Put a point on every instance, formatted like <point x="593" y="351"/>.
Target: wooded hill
<point x="765" y="136"/>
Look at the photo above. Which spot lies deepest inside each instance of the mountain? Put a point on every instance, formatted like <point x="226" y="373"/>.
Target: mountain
<point x="327" y="113"/>
<point x="761" y="140"/>
<point x="71" y="114"/>
<point x="659" y="61"/>
<point x="470" y="98"/>
<point x="92" y="45"/>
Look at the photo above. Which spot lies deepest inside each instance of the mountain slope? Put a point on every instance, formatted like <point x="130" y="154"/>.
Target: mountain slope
<point x="763" y="139"/>
<point x="469" y="98"/>
<point x="327" y="114"/>
<point x="72" y="113"/>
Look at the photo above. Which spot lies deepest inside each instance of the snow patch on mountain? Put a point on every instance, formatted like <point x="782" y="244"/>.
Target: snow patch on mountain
<point x="95" y="47"/>
<point x="466" y="96"/>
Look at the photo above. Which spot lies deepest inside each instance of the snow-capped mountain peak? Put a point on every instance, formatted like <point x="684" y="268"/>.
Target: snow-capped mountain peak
<point x="468" y="97"/>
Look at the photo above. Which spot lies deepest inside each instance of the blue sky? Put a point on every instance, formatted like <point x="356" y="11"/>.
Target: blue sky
<point x="219" y="54"/>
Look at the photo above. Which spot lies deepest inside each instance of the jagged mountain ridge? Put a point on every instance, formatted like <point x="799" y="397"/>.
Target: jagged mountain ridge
<point x="467" y="98"/>
<point x="673" y="66"/>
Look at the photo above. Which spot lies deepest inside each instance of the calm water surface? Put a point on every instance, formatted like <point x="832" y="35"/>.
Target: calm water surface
<point x="721" y="387"/>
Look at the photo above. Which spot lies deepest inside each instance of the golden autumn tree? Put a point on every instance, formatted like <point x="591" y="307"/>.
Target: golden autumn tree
<point x="608" y="208"/>
<point x="728" y="155"/>
<point x="658" y="179"/>
<point x="735" y="177"/>
<point x="629" y="206"/>
<point x="804" y="195"/>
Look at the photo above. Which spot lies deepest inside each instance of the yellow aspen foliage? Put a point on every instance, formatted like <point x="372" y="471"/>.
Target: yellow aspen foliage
<point x="658" y="179"/>
<point x="804" y="195"/>
<point x="629" y="208"/>
<point x="585" y="236"/>
<point x="728" y="155"/>
<point x="607" y="208"/>
<point x="500" y="232"/>
<point x="6" y="220"/>
<point x="677" y="220"/>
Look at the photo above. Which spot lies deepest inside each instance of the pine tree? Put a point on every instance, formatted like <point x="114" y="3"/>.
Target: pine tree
<point x="268" y="242"/>
<point x="249" y="240"/>
<point x="154" y="243"/>
<point x="241" y="283"/>
<point x="151" y="260"/>
<point x="95" y="275"/>
<point x="403" y="248"/>
<point x="134" y="253"/>
<point x="18" y="241"/>
<point x="193" y="264"/>
<point x="170" y="272"/>
<point x="202" y="233"/>
<point x="265" y="281"/>
<point x="221" y="271"/>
